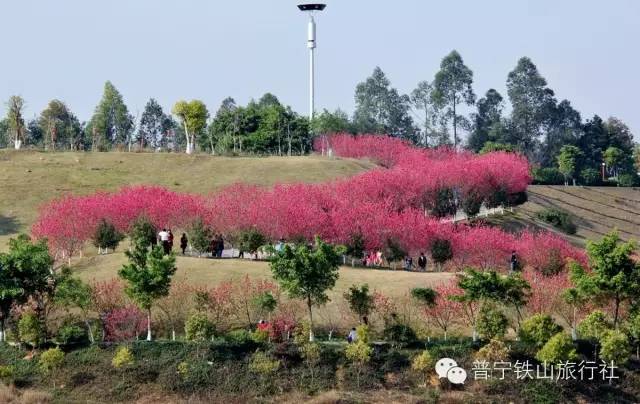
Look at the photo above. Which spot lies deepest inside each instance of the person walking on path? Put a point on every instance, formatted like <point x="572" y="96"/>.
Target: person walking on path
<point x="183" y="243"/>
<point x="163" y="236"/>
<point x="422" y="262"/>
<point x="170" y="240"/>
<point x="513" y="262"/>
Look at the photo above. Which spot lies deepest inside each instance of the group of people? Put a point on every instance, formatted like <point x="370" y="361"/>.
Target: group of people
<point x="217" y="246"/>
<point x="165" y="238"/>
<point x="376" y="259"/>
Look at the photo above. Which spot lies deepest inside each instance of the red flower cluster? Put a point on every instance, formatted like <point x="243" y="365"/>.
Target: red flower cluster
<point x="380" y="205"/>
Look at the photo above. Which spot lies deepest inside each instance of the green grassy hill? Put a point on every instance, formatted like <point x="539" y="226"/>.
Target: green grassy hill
<point x="28" y="179"/>
<point x="594" y="210"/>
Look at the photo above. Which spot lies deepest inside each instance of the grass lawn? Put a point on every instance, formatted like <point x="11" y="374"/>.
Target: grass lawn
<point x="29" y="178"/>
<point x="205" y="271"/>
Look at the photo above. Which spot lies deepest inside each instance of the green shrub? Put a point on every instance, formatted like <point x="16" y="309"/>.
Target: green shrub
<point x="251" y="240"/>
<point x="615" y="347"/>
<point x="71" y="334"/>
<point x="538" y="329"/>
<point x="471" y="204"/>
<point x="441" y="251"/>
<point x="594" y="326"/>
<point x="494" y="351"/>
<point x="200" y="236"/>
<point x="107" y="236"/>
<point x="30" y="330"/>
<point x="558" y="219"/>
<point x="445" y="203"/>
<point x="542" y="392"/>
<point x="122" y="358"/>
<point x="547" y="176"/>
<point x="261" y="364"/>
<point x="260" y="336"/>
<point x="423" y="364"/>
<point x="591" y="176"/>
<point x="424" y="295"/>
<point x="6" y="372"/>
<point x="558" y="349"/>
<point x="50" y="360"/>
<point x="143" y="232"/>
<point x="627" y="180"/>
<point x="492" y="323"/>
<point x="400" y="335"/>
<point x="198" y="328"/>
<point x="240" y="337"/>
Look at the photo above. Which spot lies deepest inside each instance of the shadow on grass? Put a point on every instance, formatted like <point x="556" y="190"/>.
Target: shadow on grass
<point x="8" y="225"/>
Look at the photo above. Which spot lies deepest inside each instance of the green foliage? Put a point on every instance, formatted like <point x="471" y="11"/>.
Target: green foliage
<point x="489" y="285"/>
<point x="538" y="329"/>
<point x="358" y="352"/>
<point x="452" y="85"/>
<point x="558" y="349"/>
<point x="360" y="300"/>
<point x="614" y="275"/>
<point x="590" y="176"/>
<point x="148" y="274"/>
<point x="307" y="273"/>
<point x="251" y="240"/>
<point x="263" y="365"/>
<point x="301" y="333"/>
<point x="615" y="347"/>
<point x="393" y="251"/>
<point x="328" y="122"/>
<point x="123" y="358"/>
<point x="381" y="109"/>
<point x="71" y="334"/>
<point x="355" y="246"/>
<point x="542" y="392"/>
<point x="51" y="360"/>
<point x="240" y="337"/>
<point x="594" y="326"/>
<point x="400" y="335"/>
<point x="143" y="232"/>
<point x="265" y="302"/>
<point x="426" y="296"/>
<point x="111" y="123"/>
<point x="628" y="180"/>
<point x="198" y="328"/>
<point x="492" y="322"/>
<point x="491" y="147"/>
<point x="558" y="218"/>
<point x="200" y="236"/>
<point x="193" y="115"/>
<point x="423" y="363"/>
<point x="568" y="161"/>
<point x="547" y="176"/>
<point x="107" y="236"/>
<point x="30" y="329"/>
<point x="494" y="351"/>
<point x="441" y="251"/>
<point x="444" y="204"/>
<point x="471" y="204"/>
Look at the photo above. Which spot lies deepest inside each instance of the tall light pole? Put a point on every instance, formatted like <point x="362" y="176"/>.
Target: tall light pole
<point x="311" y="8"/>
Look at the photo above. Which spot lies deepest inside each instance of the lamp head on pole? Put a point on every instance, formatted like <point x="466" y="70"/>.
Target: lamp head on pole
<point x="312" y="7"/>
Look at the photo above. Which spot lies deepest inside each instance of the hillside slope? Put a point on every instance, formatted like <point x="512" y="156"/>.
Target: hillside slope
<point x="28" y="179"/>
<point x="595" y="210"/>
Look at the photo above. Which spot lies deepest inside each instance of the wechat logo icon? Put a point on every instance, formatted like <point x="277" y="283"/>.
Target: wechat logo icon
<point x="447" y="367"/>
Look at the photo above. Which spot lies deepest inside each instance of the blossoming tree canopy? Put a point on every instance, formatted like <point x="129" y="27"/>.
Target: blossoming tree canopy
<point x="387" y="203"/>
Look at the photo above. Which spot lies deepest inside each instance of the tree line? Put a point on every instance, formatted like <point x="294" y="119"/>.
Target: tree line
<point x="538" y="124"/>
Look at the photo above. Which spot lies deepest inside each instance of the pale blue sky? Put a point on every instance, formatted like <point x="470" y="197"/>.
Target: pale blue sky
<point x="587" y="50"/>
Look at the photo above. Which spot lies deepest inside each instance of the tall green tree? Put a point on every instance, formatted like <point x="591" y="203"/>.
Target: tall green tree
<point x="486" y="121"/>
<point x="614" y="158"/>
<point x="531" y="101"/>
<point x="193" y="115"/>
<point x="15" y="118"/>
<point x="563" y="127"/>
<point x="381" y="109"/>
<point x="328" y="122"/>
<point x="26" y="271"/>
<point x="307" y="273"/>
<point x="111" y="124"/>
<point x="60" y="126"/>
<point x="614" y="277"/>
<point x="154" y="125"/>
<point x="148" y="276"/>
<point x="360" y="302"/>
<point x="422" y="100"/>
<point x="452" y="86"/>
<point x="569" y="163"/>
